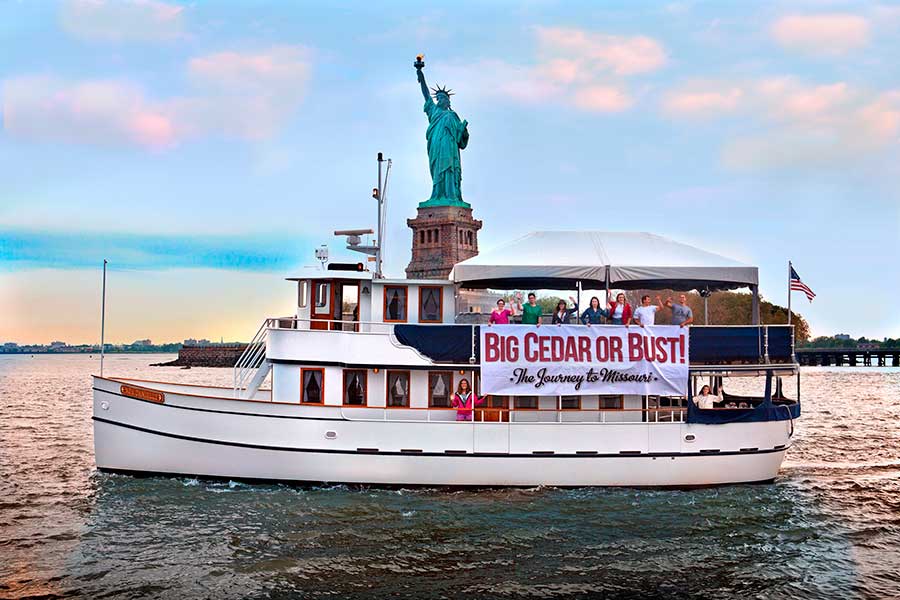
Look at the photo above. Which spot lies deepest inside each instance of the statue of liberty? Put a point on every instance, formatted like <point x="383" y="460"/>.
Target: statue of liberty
<point x="446" y="136"/>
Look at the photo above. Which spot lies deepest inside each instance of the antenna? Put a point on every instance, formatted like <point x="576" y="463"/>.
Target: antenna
<point x="376" y="248"/>
<point x="322" y="255"/>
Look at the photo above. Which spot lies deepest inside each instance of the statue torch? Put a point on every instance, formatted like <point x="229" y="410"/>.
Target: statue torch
<point x="420" y="62"/>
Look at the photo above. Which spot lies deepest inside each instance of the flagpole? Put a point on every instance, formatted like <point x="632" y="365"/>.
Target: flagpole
<point x="790" y="267"/>
<point x="103" y="319"/>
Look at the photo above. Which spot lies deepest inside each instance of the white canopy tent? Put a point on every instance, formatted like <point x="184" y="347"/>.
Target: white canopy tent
<point x="626" y="260"/>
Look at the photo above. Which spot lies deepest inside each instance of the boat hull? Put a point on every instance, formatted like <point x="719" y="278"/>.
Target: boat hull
<point x="193" y="435"/>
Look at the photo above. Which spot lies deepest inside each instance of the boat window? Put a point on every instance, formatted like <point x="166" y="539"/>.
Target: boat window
<point x="395" y="303"/>
<point x="303" y="293"/>
<point x="430" y="304"/>
<point x="497" y="402"/>
<point x="662" y="409"/>
<point x="570" y="402"/>
<point x="525" y="402"/>
<point x="323" y="298"/>
<point x="355" y="387"/>
<point x="398" y="388"/>
<point x="440" y="387"/>
<point x="612" y="402"/>
<point x="311" y="383"/>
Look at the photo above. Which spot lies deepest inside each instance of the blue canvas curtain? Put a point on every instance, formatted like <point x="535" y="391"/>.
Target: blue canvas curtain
<point x="441" y="343"/>
<point x="766" y="411"/>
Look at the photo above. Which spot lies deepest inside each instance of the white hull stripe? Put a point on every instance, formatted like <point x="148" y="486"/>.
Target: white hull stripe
<point x="452" y="454"/>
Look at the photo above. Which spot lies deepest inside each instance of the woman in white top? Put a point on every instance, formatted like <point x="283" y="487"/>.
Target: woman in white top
<point x="706" y="399"/>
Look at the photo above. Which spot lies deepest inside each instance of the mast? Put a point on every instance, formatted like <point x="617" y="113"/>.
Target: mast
<point x="790" y="268"/>
<point x="376" y="248"/>
<point x="379" y="196"/>
<point x="103" y="318"/>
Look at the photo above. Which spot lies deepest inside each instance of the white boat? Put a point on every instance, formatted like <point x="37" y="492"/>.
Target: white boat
<point x="363" y="397"/>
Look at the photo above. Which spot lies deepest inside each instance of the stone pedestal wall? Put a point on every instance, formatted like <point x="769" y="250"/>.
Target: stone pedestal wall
<point x="442" y="237"/>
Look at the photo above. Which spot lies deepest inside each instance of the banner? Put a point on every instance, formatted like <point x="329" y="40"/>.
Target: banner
<point x="570" y="360"/>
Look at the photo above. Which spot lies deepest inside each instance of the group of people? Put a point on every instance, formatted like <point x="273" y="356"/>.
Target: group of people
<point x="614" y="312"/>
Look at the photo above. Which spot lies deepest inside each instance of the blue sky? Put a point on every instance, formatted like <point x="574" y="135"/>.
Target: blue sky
<point x="232" y="138"/>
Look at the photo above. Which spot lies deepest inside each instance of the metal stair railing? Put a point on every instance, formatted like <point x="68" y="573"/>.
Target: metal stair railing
<point x="251" y="359"/>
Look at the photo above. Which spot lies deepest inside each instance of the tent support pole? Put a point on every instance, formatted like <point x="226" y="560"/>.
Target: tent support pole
<point x="578" y="301"/>
<point x="606" y="300"/>
<point x="755" y="316"/>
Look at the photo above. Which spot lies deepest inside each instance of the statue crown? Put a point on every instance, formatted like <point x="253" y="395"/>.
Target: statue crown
<point x="441" y="90"/>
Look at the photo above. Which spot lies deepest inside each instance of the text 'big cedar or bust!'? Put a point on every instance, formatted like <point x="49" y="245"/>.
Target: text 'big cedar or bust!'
<point x="537" y="348"/>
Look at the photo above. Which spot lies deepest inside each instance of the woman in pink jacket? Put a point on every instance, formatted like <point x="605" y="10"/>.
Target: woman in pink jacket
<point x="464" y="400"/>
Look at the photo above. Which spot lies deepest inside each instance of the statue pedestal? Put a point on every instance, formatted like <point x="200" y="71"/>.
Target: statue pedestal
<point x="442" y="237"/>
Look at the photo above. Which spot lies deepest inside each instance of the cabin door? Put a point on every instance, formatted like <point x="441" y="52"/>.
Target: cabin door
<point x="322" y="303"/>
<point x="346" y="305"/>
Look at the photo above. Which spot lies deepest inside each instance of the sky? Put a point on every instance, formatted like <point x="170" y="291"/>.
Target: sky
<point x="206" y="149"/>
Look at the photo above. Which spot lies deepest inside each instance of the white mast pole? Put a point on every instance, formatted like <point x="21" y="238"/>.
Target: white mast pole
<point x="380" y="224"/>
<point x="790" y="267"/>
<point x="103" y="319"/>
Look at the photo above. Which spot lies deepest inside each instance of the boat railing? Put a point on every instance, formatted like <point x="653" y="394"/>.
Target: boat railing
<point x="403" y="414"/>
<point x="710" y="345"/>
<point x="343" y="325"/>
<point x="252" y="358"/>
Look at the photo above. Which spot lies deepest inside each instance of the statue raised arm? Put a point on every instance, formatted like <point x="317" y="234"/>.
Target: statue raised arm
<point x="447" y="134"/>
<point x="421" y="77"/>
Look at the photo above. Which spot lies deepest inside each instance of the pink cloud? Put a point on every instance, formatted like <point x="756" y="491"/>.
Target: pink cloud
<point x="602" y="98"/>
<point x="703" y="100"/>
<point x="100" y="112"/>
<point x="620" y="55"/>
<point x="122" y="20"/>
<point x="152" y="130"/>
<point x="818" y="126"/>
<point x="797" y="124"/>
<point x="242" y="95"/>
<point x="273" y="69"/>
<point x="792" y="100"/>
<point x="836" y="33"/>
<point x="572" y="67"/>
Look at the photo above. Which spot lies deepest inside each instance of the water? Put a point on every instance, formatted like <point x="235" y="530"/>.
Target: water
<point x="829" y="526"/>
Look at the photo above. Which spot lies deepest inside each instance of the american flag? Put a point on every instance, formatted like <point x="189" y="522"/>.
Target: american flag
<point x="796" y="284"/>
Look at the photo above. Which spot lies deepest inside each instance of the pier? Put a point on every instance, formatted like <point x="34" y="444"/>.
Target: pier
<point x="848" y="357"/>
<point x="220" y="355"/>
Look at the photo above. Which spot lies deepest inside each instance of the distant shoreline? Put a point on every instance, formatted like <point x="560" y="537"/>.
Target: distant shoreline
<point x="89" y="353"/>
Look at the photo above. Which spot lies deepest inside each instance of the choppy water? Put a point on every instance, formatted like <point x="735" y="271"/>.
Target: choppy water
<point x="829" y="527"/>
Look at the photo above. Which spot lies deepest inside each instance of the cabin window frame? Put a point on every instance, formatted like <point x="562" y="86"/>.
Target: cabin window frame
<point x="440" y="293"/>
<point x="577" y="399"/>
<point x="387" y="388"/>
<point x="450" y="389"/>
<point x="303" y="372"/>
<point x="365" y="386"/>
<point x="619" y="397"/>
<point x="384" y="313"/>
<point x="303" y="295"/>
<point x="537" y="403"/>
<point x="326" y="312"/>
